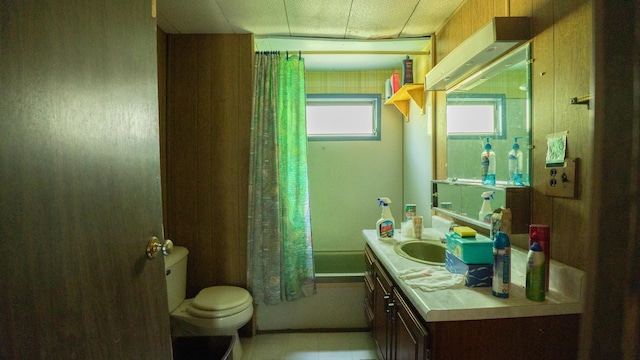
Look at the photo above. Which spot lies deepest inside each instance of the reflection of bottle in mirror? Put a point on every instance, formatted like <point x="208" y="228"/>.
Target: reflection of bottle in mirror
<point x="515" y="164"/>
<point x="488" y="165"/>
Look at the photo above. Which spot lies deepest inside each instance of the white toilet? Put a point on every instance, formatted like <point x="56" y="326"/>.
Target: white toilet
<point x="216" y="310"/>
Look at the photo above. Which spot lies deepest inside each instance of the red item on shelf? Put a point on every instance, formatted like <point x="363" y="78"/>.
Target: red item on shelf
<point x="395" y="80"/>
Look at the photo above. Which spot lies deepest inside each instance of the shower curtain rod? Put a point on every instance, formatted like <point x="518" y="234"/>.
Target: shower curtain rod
<point x="363" y="52"/>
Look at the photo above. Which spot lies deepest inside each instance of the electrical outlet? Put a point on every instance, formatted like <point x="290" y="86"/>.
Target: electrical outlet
<point x="562" y="181"/>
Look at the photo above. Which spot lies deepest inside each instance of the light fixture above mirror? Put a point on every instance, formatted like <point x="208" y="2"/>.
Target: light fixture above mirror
<point x="486" y="45"/>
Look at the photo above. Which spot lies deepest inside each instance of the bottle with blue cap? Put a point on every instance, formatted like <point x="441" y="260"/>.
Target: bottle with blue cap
<point x="488" y="165"/>
<point x="501" y="265"/>
<point x="515" y="164"/>
<point x="536" y="273"/>
<point x="484" y="215"/>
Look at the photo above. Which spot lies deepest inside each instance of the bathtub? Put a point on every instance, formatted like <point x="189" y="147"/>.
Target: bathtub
<point x="339" y="266"/>
<point x="337" y="305"/>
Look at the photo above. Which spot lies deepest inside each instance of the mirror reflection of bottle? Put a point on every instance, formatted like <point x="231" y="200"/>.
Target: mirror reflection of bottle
<point x="515" y="164"/>
<point x="488" y="164"/>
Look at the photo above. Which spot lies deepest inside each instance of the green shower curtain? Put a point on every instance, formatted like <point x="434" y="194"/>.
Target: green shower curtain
<point x="279" y="236"/>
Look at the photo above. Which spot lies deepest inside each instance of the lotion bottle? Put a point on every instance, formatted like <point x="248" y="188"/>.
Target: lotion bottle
<point x="386" y="225"/>
<point x="515" y="164"/>
<point x="488" y="165"/>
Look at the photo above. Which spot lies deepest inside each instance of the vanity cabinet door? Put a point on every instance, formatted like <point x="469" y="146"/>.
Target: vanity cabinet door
<point x="383" y="314"/>
<point x="410" y="337"/>
<point x="369" y="287"/>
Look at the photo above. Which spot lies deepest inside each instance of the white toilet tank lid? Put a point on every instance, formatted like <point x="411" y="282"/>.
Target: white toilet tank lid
<point x="178" y="253"/>
<point x="217" y="298"/>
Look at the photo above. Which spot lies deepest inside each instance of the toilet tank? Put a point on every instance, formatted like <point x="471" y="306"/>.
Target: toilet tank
<point x="175" y="266"/>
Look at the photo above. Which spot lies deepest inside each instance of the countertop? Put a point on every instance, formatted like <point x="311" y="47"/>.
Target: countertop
<point x="565" y="296"/>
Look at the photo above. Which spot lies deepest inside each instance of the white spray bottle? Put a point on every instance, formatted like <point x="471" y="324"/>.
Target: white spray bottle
<point x="386" y="226"/>
<point x="485" y="211"/>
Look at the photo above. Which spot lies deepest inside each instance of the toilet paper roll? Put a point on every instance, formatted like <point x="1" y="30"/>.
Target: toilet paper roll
<point x="417" y="227"/>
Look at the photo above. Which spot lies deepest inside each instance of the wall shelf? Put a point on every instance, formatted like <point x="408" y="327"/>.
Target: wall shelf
<point x="402" y="98"/>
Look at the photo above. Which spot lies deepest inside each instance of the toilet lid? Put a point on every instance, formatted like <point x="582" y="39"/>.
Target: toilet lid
<point x="218" y="298"/>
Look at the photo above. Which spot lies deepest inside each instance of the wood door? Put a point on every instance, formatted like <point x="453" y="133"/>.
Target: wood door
<point x="80" y="182"/>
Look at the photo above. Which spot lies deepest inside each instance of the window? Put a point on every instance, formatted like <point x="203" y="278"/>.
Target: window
<point x="343" y="116"/>
<point x="473" y="115"/>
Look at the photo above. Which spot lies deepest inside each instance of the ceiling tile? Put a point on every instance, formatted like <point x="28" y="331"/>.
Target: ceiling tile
<point x="379" y="19"/>
<point x="318" y="18"/>
<point x="429" y="16"/>
<point x="264" y="17"/>
<point x="192" y="17"/>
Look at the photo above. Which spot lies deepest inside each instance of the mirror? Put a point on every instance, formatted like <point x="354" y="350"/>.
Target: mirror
<point x="494" y="103"/>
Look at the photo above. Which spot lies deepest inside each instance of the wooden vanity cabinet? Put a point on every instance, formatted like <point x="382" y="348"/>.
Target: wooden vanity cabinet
<point x="397" y="331"/>
<point x="369" y="277"/>
<point x="410" y="336"/>
<point x="382" y="313"/>
<point x="401" y="333"/>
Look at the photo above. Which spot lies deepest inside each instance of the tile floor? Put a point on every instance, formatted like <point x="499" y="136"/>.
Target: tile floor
<point x="310" y="346"/>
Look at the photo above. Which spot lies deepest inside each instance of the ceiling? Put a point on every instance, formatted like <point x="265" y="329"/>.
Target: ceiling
<point x="349" y="26"/>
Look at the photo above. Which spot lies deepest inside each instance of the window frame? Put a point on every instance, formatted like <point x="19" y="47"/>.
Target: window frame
<point x="374" y="99"/>
<point x="499" y="102"/>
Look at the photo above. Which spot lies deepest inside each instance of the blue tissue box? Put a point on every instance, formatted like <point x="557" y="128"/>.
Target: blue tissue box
<point x="475" y="275"/>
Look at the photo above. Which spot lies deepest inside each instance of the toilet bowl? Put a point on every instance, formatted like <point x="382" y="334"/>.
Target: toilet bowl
<point x="216" y="310"/>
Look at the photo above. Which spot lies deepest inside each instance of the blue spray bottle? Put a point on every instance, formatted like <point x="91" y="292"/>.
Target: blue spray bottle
<point x="501" y="265"/>
<point x="515" y="164"/>
<point x="488" y="165"/>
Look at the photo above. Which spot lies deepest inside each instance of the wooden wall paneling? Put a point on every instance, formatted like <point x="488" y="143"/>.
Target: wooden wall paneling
<point x="208" y="138"/>
<point x="501" y="8"/>
<point x="572" y="57"/>
<point x="182" y="150"/>
<point x="441" y="48"/>
<point x="204" y="263"/>
<point x="520" y="8"/>
<point x="223" y="138"/>
<point x="460" y="26"/>
<point x="229" y="247"/>
<point x="543" y="97"/>
<point x="441" y="136"/>
<point x="482" y="11"/>
<point x="244" y="81"/>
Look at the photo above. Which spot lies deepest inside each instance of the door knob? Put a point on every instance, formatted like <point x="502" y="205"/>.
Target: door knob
<point x="154" y="246"/>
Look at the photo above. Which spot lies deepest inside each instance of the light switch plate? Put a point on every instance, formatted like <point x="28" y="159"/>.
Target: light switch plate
<point x="562" y="181"/>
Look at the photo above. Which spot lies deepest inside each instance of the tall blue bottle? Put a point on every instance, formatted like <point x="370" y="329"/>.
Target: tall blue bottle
<point x="501" y="265"/>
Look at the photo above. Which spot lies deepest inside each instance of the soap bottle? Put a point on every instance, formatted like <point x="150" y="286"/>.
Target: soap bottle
<point x="488" y="165"/>
<point x="515" y="164"/>
<point x="501" y="265"/>
<point x="484" y="215"/>
<point x="385" y="227"/>
<point x="536" y="269"/>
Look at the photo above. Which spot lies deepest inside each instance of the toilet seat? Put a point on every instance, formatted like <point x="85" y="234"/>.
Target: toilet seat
<point x="219" y="301"/>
